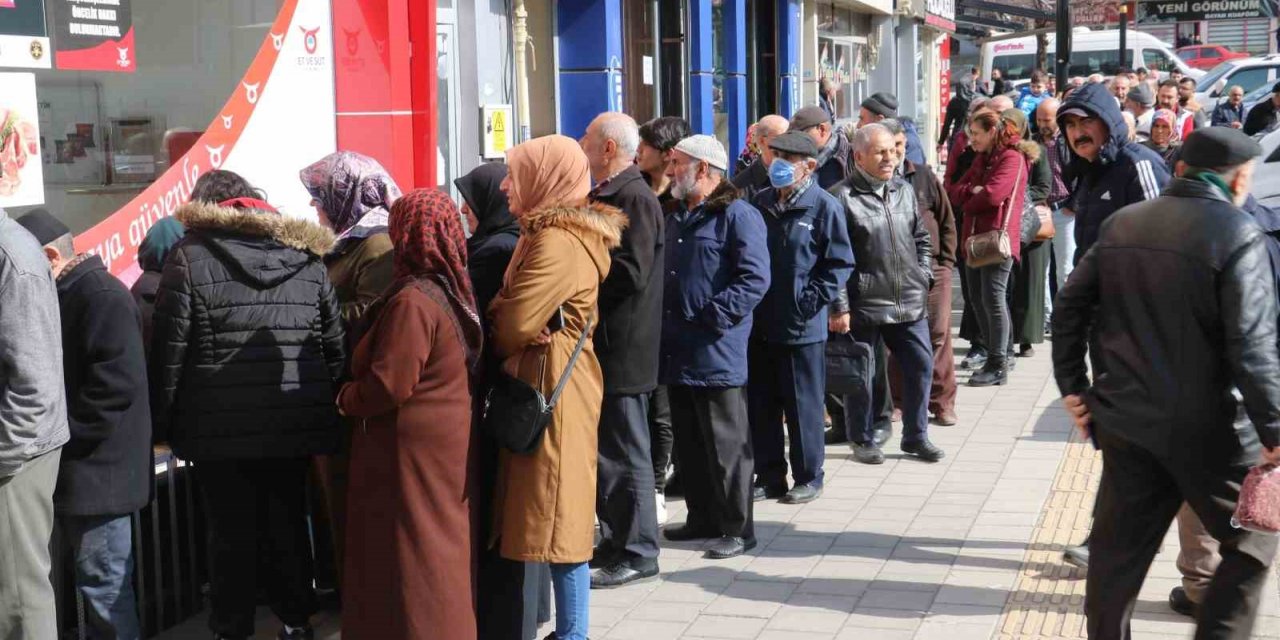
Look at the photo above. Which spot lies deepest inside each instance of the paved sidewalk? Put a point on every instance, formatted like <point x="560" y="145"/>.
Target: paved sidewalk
<point x="969" y="548"/>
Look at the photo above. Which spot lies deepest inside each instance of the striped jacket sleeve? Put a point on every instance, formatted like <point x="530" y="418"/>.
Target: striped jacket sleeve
<point x="1148" y="180"/>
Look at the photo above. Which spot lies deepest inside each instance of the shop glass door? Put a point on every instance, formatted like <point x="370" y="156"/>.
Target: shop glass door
<point x="447" y="104"/>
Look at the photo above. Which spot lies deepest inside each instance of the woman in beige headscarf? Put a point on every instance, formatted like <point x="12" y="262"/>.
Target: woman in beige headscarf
<point x="546" y="500"/>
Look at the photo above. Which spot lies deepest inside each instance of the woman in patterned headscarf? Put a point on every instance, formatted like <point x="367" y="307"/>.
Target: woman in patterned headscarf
<point x="409" y="552"/>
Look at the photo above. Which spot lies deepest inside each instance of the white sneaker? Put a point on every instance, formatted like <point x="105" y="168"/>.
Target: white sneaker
<point x="661" y="501"/>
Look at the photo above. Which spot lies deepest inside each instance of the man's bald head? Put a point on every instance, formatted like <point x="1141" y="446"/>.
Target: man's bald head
<point x="1000" y="103"/>
<point x="769" y="127"/>
<point x="1047" y="117"/>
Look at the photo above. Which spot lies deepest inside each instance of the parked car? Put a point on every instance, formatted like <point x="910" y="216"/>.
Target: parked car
<point x="1250" y="73"/>
<point x="1266" y="178"/>
<point x="1208" y="56"/>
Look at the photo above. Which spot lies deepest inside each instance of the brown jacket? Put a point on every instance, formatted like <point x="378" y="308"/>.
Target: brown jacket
<point x="935" y="210"/>
<point x="545" y="501"/>
<point x="360" y="271"/>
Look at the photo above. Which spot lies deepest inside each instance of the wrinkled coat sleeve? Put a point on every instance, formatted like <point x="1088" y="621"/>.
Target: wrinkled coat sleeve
<point x="1147" y="181"/>
<point x="170" y="334"/>
<point x="920" y="233"/>
<point x="1248" y="308"/>
<point x="110" y="345"/>
<point x="834" y="264"/>
<point x="1072" y="317"/>
<point x="962" y="188"/>
<point x="400" y="345"/>
<point x="635" y="258"/>
<point x="28" y="393"/>
<point x="1009" y="168"/>
<point x="537" y="287"/>
<point x="332" y="334"/>
<point x="747" y="245"/>
<point x="372" y="278"/>
<point x="1041" y="178"/>
<point x="947" y="233"/>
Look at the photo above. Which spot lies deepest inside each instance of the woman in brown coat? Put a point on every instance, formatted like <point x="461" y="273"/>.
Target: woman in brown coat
<point x="546" y="500"/>
<point x="409" y="546"/>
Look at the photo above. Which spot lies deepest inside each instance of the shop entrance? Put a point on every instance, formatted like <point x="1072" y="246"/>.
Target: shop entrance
<point x="654" y="59"/>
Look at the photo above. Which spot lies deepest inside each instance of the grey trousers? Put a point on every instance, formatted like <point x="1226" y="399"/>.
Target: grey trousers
<point x="625" y="498"/>
<point x="27" y="609"/>
<point x="1198" y="556"/>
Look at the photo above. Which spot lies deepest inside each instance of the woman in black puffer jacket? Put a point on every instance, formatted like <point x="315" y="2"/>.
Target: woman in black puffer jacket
<point x="247" y="349"/>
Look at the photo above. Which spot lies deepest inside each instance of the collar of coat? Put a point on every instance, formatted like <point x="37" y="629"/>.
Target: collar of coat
<point x="295" y="233"/>
<point x="588" y="218"/>
<point x="860" y="185"/>
<point x="614" y="184"/>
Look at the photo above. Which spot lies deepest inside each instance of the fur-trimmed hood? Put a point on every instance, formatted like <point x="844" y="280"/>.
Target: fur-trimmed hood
<point x="266" y="246"/>
<point x="599" y="226"/>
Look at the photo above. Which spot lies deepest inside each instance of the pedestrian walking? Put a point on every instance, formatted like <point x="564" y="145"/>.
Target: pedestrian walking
<point x="106" y="469"/>
<point x="33" y="430"/>
<point x="409" y="561"/>
<point x="1175" y="442"/>
<point x="545" y="500"/>
<point x="1230" y="112"/>
<point x="810" y="259"/>
<point x="889" y="299"/>
<point x="833" y="163"/>
<point x="755" y="178"/>
<point x="1263" y="117"/>
<point x="962" y="95"/>
<point x="247" y="349"/>
<point x="658" y="137"/>
<point x="717" y="271"/>
<point x="626" y="343"/>
<point x="152" y="253"/>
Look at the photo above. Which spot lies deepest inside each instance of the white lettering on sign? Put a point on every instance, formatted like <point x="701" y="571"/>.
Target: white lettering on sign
<point x="943" y="8"/>
<point x="1013" y="46"/>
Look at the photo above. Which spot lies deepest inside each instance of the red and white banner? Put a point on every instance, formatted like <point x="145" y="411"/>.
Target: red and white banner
<point x="279" y="119"/>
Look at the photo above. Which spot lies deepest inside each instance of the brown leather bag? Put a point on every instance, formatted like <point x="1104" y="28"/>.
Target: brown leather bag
<point x="1046" y="231"/>
<point x="993" y="247"/>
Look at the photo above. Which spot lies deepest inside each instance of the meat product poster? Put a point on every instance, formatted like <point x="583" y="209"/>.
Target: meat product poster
<point x="24" y="42"/>
<point x="21" y="173"/>
<point x="93" y="35"/>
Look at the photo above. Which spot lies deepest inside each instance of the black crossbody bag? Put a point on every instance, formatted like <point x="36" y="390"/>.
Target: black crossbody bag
<point x="516" y="414"/>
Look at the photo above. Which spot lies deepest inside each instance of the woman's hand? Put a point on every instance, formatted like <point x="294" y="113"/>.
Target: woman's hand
<point x="976" y="190"/>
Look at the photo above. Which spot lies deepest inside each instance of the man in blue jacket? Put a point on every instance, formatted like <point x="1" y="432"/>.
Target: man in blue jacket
<point x="716" y="272"/>
<point x="810" y="258"/>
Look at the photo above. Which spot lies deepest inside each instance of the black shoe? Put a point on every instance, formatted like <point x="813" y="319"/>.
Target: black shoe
<point x="974" y="359"/>
<point x="881" y="433"/>
<point x="1026" y="351"/>
<point x="1180" y="602"/>
<point x="835" y="435"/>
<point x="868" y="454"/>
<point x="624" y="572"/>
<point x="603" y="555"/>
<point x="305" y="633"/>
<point x="729" y="547"/>
<point x="685" y="533"/>
<point x="993" y="374"/>
<point x="1077" y="556"/>
<point x="768" y="492"/>
<point x="802" y="494"/>
<point x="923" y="450"/>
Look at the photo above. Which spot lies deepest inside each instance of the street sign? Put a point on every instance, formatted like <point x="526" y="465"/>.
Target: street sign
<point x="498" y="122"/>
<point x="1172" y="11"/>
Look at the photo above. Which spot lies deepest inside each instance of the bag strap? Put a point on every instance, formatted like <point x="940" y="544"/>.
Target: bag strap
<point x="1004" y="226"/>
<point x="564" y="377"/>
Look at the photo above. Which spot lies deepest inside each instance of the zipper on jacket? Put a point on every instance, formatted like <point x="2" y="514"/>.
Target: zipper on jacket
<point x="893" y="247"/>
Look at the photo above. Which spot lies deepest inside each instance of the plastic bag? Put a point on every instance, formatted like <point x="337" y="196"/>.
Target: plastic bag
<point x="1259" y="505"/>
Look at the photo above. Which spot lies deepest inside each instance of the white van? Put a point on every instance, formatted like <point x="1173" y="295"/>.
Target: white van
<point x="1091" y="52"/>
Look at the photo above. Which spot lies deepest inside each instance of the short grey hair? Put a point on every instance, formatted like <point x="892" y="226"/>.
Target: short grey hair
<point x="978" y="102"/>
<point x="623" y="130"/>
<point x="893" y="125"/>
<point x="862" y="137"/>
<point x="65" y="244"/>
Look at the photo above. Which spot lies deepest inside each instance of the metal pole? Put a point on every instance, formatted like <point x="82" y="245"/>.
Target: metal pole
<point x="1124" y="35"/>
<point x="1062" y="45"/>
<point x="521" y="32"/>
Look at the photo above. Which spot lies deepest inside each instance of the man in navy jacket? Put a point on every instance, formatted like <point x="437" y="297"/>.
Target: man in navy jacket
<point x="811" y="258"/>
<point x="716" y="272"/>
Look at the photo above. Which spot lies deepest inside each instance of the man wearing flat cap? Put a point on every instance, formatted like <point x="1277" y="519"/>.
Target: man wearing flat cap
<point x="1262" y="117"/>
<point x="1141" y="103"/>
<point x="1163" y="413"/>
<point x="832" y="158"/>
<point x="810" y="260"/>
<point x="107" y="466"/>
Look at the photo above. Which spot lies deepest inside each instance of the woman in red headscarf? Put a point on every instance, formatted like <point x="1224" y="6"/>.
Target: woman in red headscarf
<point x="408" y="562"/>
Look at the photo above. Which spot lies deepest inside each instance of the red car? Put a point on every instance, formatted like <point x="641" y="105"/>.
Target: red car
<point x="1207" y="56"/>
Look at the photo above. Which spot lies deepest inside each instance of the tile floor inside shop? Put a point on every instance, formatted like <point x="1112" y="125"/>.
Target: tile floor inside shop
<point x="969" y="548"/>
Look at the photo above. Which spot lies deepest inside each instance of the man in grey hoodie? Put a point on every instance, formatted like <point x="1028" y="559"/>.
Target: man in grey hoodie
<point x="33" y="428"/>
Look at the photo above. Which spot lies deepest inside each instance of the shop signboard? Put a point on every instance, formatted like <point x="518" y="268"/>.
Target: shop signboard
<point x="1173" y="11"/>
<point x="93" y="35"/>
<point x="1094" y="13"/>
<point x="21" y="173"/>
<point x="498" y="133"/>
<point x="941" y="14"/>
<point x="24" y="41"/>
<point x="280" y="117"/>
<point x="944" y="78"/>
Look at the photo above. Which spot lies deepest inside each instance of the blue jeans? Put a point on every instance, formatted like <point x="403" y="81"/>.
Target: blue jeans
<point x="103" y="548"/>
<point x="572" y="584"/>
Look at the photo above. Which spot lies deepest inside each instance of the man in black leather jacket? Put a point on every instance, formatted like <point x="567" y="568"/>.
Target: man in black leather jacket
<point x="1163" y="411"/>
<point x="888" y="294"/>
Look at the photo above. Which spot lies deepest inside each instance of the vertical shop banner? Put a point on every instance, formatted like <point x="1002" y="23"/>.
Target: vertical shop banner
<point x="21" y="173"/>
<point x="93" y="35"/>
<point x="279" y="119"/>
<point x="24" y="41"/>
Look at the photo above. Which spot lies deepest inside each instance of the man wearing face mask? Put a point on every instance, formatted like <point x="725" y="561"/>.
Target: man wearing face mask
<point x="889" y="296"/>
<point x="1163" y="414"/>
<point x="810" y="261"/>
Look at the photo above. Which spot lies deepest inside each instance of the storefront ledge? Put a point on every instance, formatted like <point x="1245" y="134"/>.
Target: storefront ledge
<point x="873" y="7"/>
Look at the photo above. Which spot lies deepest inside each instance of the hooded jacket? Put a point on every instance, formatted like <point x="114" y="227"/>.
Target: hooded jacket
<point x="154" y="250"/>
<point x="1123" y="174"/>
<point x="717" y="271"/>
<point x="247" y="344"/>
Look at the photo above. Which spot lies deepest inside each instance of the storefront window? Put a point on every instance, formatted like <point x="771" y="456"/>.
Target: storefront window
<point x="835" y="63"/>
<point x="639" y="59"/>
<point x="718" y="55"/>
<point x="106" y="136"/>
<point x="842" y="56"/>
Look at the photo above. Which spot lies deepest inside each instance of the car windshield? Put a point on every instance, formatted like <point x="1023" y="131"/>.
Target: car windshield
<point x="1206" y="83"/>
<point x="1187" y="54"/>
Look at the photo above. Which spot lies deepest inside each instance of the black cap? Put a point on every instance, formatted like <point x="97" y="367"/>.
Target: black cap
<point x="1219" y="147"/>
<point x="795" y="143"/>
<point x="43" y="226"/>
<point x="808" y="118"/>
<point x="882" y="104"/>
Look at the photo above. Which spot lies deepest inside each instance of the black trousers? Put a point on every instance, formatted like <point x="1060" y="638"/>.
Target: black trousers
<point x="252" y="507"/>
<point x="624" y="478"/>
<point x="661" y="440"/>
<point x="914" y="352"/>
<point x="1140" y="494"/>
<point x="787" y="380"/>
<point x="883" y="410"/>
<point x="714" y="444"/>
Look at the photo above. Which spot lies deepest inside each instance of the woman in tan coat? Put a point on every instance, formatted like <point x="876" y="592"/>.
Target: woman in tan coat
<point x="546" y="500"/>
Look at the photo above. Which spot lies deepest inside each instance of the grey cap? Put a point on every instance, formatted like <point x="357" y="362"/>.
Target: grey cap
<point x="1219" y="147"/>
<point x="705" y="148"/>
<point x="882" y="104"/>
<point x="1142" y="95"/>
<point x="795" y="143"/>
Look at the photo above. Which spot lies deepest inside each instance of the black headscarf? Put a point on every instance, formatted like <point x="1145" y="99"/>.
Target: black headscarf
<point x="480" y="189"/>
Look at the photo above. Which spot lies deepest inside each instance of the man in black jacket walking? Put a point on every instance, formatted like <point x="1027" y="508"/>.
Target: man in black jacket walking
<point x="627" y="345"/>
<point x="106" y="467"/>
<point x="1163" y="412"/>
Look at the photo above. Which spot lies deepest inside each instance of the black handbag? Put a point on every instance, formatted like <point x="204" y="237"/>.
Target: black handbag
<point x="1030" y="221"/>
<point x="516" y="414"/>
<point x="848" y="365"/>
